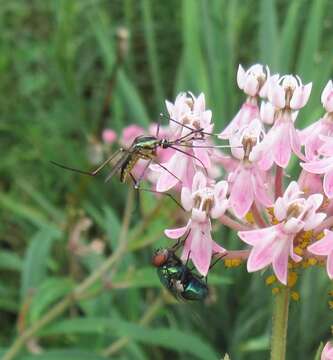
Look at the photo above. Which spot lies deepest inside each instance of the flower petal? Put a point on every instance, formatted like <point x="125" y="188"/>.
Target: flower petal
<point x="186" y="199"/>
<point x="201" y="248"/>
<point x="301" y="96"/>
<point x="199" y="181"/>
<point x="318" y="167"/>
<point x="328" y="184"/>
<point x="257" y="236"/>
<point x="282" y="147"/>
<point x="260" y="256"/>
<point x="323" y="246"/>
<point x="280" y="262"/>
<point x="176" y="233"/>
<point x="329" y="265"/>
<point x="240" y="76"/>
<point x="241" y="194"/>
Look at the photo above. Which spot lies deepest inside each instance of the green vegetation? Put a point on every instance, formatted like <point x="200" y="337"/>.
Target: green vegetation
<point x="57" y="59"/>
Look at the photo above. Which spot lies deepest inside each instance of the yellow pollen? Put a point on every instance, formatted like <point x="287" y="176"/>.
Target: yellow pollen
<point x="330" y="293"/>
<point x="273" y="219"/>
<point x="275" y="290"/>
<point x="320" y="235"/>
<point x="229" y="263"/>
<point x="298" y="250"/>
<point x="270" y="280"/>
<point x="312" y="261"/>
<point x="292" y="279"/>
<point x="295" y="295"/>
<point x="249" y="218"/>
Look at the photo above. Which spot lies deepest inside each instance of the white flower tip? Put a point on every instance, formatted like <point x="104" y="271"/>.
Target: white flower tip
<point x="240" y="76"/>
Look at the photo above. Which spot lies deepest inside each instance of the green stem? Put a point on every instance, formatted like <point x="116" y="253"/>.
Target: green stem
<point x="280" y="324"/>
<point x="80" y="291"/>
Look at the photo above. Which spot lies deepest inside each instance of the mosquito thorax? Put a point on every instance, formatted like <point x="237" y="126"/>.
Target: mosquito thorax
<point x="145" y="142"/>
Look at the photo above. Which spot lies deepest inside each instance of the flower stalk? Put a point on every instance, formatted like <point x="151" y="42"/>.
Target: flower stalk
<point x="280" y="324"/>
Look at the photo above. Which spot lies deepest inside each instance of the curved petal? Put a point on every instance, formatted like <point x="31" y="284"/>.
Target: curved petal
<point x="280" y="265"/>
<point x="202" y="154"/>
<point x="201" y="248"/>
<point x="295" y="142"/>
<point x="176" y="233"/>
<point x="301" y="96"/>
<point x="326" y="149"/>
<point x="260" y="190"/>
<point x="199" y="181"/>
<point x="323" y="246"/>
<point x="280" y="209"/>
<point x="241" y="194"/>
<point x="318" y="167"/>
<point x="282" y="146"/>
<point x="260" y="256"/>
<point x="186" y="199"/>
<point x="328" y="184"/>
<point x="240" y="76"/>
<point x="314" y="221"/>
<point x="276" y="94"/>
<point x="329" y="265"/>
<point x="258" y="236"/>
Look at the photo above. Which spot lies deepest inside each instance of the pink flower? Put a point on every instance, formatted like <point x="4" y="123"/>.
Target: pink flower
<point x="183" y="164"/>
<point x="327" y="97"/>
<point x="252" y="80"/>
<point x="312" y="136"/>
<point x="205" y="201"/>
<point x="253" y="83"/>
<point x="288" y="92"/>
<point x="247" y="182"/>
<point x="247" y="113"/>
<point x="324" y="247"/>
<point x="274" y="244"/>
<point x="279" y="142"/>
<point x="323" y="166"/>
<point x="109" y="136"/>
<point x="327" y="353"/>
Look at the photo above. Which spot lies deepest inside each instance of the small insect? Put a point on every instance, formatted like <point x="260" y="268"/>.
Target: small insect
<point x="145" y="147"/>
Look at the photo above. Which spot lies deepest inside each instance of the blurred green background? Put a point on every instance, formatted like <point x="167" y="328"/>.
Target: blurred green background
<point x="58" y="59"/>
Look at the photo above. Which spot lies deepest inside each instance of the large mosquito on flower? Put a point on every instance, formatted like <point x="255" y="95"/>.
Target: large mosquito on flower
<point x="145" y="147"/>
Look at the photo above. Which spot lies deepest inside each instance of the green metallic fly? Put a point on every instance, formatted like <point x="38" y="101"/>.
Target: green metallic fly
<point x="181" y="281"/>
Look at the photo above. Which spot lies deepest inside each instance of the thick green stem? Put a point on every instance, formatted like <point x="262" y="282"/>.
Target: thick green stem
<point x="280" y="324"/>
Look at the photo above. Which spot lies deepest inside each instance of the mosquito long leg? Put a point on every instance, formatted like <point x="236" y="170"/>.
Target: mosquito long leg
<point x="188" y="127"/>
<point x="180" y="242"/>
<point x="138" y="187"/>
<point x="217" y="260"/>
<point x="116" y="168"/>
<point x="190" y="155"/>
<point x="90" y="173"/>
<point x="209" y="146"/>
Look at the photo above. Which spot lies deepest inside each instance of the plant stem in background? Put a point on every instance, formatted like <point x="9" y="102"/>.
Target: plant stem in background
<point x="278" y="182"/>
<point x="280" y="324"/>
<point x="81" y="289"/>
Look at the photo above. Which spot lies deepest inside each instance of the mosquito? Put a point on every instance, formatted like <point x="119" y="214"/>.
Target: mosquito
<point x="145" y="147"/>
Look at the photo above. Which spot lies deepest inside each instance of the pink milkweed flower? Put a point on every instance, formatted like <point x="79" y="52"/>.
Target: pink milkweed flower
<point x="253" y="83"/>
<point x="327" y="353"/>
<point x="129" y="133"/>
<point x="311" y="137"/>
<point x="327" y="97"/>
<point x="109" y="136"/>
<point x="182" y="165"/>
<point x="324" y="247"/>
<point x="247" y="182"/>
<point x="205" y="201"/>
<point x="274" y="244"/>
<point x="288" y="92"/>
<point x="323" y="166"/>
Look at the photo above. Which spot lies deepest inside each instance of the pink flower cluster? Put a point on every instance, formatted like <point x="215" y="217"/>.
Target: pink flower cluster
<point x="250" y="180"/>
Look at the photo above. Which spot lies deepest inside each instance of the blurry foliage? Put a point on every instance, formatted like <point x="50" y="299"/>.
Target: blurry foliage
<point x="56" y="59"/>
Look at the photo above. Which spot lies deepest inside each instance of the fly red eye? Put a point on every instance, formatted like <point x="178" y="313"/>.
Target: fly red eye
<point x="160" y="257"/>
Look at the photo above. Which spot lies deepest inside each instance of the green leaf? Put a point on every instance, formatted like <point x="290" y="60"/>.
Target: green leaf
<point x="319" y="351"/>
<point x="268" y="38"/>
<point x="259" y="343"/>
<point x="311" y="40"/>
<point x="69" y="354"/>
<point x="49" y="292"/>
<point x="36" y="259"/>
<point x="10" y="261"/>
<point x="165" y="337"/>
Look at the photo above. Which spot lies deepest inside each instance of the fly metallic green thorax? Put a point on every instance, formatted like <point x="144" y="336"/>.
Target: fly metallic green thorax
<point x="180" y="280"/>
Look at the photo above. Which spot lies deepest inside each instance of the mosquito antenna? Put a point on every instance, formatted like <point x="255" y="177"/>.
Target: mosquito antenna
<point x="190" y="155"/>
<point x="188" y="127"/>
